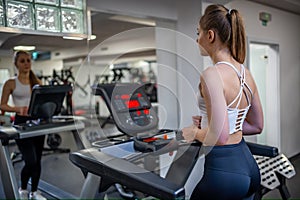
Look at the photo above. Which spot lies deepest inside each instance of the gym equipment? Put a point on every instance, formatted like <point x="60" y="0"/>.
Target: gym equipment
<point x="10" y="133"/>
<point x="46" y="101"/>
<point x="274" y="172"/>
<point x="45" y="104"/>
<point x="114" y="162"/>
<point x="133" y="115"/>
<point x="274" y="167"/>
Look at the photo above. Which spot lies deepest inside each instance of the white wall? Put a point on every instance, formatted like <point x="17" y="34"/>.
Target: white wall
<point x="6" y="62"/>
<point x="47" y="66"/>
<point x="284" y="29"/>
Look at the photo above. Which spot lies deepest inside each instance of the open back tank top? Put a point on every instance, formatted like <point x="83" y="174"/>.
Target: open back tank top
<point x="236" y="116"/>
<point x="21" y="94"/>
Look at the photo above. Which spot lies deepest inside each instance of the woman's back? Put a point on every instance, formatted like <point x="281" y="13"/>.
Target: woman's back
<point x="232" y="84"/>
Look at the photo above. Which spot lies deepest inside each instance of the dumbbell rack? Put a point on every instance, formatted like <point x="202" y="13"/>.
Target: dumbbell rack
<point x="274" y="172"/>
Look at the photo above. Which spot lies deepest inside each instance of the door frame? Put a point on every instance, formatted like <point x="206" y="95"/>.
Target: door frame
<point x="273" y="136"/>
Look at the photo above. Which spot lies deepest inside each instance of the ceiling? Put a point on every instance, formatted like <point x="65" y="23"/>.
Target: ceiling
<point x="104" y="26"/>
<point x="292" y="6"/>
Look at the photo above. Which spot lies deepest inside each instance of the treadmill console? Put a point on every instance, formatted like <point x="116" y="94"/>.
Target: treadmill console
<point x="129" y="107"/>
<point x="136" y="105"/>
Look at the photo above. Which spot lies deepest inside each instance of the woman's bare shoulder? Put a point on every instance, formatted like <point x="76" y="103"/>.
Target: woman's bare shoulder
<point x="209" y="71"/>
<point x="10" y="82"/>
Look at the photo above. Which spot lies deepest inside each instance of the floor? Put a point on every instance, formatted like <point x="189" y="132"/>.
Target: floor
<point x="62" y="174"/>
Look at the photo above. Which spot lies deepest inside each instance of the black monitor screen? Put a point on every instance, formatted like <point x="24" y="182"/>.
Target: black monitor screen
<point x="47" y="101"/>
<point x="129" y="106"/>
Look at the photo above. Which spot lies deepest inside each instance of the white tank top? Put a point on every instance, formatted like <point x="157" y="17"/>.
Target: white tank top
<point x="21" y="94"/>
<point x="236" y="116"/>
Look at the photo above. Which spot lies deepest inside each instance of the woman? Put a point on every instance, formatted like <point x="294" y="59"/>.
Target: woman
<point x="230" y="106"/>
<point x="31" y="149"/>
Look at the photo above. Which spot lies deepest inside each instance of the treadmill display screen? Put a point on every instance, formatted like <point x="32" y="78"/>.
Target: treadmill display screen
<point x="129" y="106"/>
<point x="132" y="104"/>
<point x="125" y="102"/>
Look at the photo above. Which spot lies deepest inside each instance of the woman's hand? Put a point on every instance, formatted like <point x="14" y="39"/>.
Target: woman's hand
<point x="197" y="120"/>
<point x="22" y="111"/>
<point x="190" y="133"/>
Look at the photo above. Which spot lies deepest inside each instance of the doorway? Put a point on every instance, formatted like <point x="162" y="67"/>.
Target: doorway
<point x="264" y="66"/>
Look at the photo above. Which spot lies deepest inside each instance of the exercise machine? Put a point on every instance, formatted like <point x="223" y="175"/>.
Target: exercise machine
<point x="45" y="105"/>
<point x="134" y="116"/>
<point x="118" y="162"/>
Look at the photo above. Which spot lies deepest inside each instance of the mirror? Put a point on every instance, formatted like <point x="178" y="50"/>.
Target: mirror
<point x="117" y="37"/>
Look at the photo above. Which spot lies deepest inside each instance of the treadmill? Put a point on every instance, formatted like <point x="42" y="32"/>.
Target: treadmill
<point x="115" y="163"/>
<point x="119" y="162"/>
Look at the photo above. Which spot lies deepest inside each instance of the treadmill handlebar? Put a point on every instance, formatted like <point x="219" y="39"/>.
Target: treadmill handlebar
<point x="263" y="150"/>
<point x="8" y="133"/>
<point x="117" y="170"/>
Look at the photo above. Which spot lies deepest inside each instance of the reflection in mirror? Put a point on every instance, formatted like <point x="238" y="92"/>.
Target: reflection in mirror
<point x="125" y="53"/>
<point x="123" y="50"/>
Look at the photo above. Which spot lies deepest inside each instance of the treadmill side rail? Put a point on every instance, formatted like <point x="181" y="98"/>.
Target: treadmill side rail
<point x="117" y="170"/>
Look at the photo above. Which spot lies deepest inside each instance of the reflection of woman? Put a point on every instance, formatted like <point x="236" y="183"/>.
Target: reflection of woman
<point x="230" y="106"/>
<point x="31" y="148"/>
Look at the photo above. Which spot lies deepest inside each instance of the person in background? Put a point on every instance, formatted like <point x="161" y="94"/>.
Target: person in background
<point x="20" y="88"/>
<point x="230" y="107"/>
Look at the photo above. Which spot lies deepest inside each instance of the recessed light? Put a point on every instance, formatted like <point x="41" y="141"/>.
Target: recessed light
<point x="72" y="38"/>
<point x="24" y="48"/>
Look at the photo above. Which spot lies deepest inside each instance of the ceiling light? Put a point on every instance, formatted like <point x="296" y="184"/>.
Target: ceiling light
<point x="92" y="37"/>
<point x="72" y="38"/>
<point x="24" y="48"/>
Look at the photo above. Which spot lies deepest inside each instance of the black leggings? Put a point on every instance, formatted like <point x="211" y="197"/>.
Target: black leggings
<point x="31" y="150"/>
<point x="230" y="173"/>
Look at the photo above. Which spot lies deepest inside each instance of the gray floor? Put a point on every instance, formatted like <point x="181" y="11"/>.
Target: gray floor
<point x="60" y="172"/>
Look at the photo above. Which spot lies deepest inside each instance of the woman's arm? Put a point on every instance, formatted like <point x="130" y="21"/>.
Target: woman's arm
<point x="217" y="131"/>
<point x="213" y="93"/>
<point x="254" y="121"/>
<point x="40" y="82"/>
<point x="6" y="92"/>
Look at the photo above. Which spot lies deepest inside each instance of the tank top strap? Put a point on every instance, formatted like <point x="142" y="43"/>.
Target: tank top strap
<point x="242" y="77"/>
<point x="17" y="82"/>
